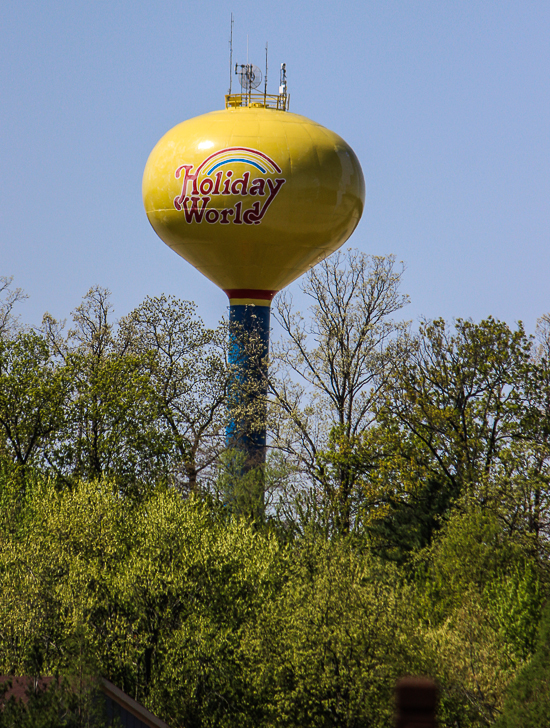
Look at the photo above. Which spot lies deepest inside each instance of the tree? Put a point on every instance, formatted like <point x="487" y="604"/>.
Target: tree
<point x="478" y="595"/>
<point x="162" y="593"/>
<point x="111" y="418"/>
<point x="524" y="476"/>
<point x="457" y="395"/>
<point x="33" y="395"/>
<point x="528" y="698"/>
<point x="449" y="419"/>
<point x="188" y="372"/>
<point x="333" y="644"/>
<point x="327" y="373"/>
<point x="9" y="323"/>
<point x="208" y="620"/>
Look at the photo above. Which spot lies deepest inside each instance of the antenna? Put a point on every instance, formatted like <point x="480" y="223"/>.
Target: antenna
<point x="265" y="77"/>
<point x="250" y="76"/>
<point x="282" y="87"/>
<point x="231" y="55"/>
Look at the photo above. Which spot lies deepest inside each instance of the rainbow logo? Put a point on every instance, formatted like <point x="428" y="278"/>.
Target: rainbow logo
<point x="246" y="155"/>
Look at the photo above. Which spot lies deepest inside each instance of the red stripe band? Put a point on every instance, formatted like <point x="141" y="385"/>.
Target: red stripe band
<point x="250" y="293"/>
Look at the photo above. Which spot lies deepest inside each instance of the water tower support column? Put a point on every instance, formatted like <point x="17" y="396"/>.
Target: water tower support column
<point x="249" y="325"/>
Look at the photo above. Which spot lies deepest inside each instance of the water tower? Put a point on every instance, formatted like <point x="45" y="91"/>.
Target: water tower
<point x="252" y="196"/>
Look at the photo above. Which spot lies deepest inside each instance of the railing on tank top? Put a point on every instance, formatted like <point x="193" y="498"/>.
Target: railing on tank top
<point x="280" y="102"/>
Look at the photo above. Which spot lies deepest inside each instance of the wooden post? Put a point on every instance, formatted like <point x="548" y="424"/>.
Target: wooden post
<point x="416" y="702"/>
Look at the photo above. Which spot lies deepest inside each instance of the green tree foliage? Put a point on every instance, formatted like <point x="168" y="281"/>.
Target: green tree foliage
<point x="451" y="423"/>
<point x="456" y="394"/>
<point x="148" y="394"/>
<point x="406" y="523"/>
<point x="109" y="428"/>
<point x="187" y="366"/>
<point x="9" y="298"/>
<point x="33" y="395"/>
<point x="206" y="622"/>
<point x="524" y="477"/>
<point x="219" y="623"/>
<point x="162" y="593"/>
<point x="327" y="372"/>
<point x="528" y="700"/>
<point x="479" y="597"/>
<point x="333" y="644"/>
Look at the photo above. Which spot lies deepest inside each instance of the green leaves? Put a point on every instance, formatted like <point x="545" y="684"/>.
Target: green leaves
<point x="33" y="395"/>
<point x="328" y="369"/>
<point x="457" y="395"/>
<point x="213" y="621"/>
<point x="206" y="621"/>
<point x="335" y="640"/>
<point x="163" y="595"/>
<point x="406" y="526"/>
<point x="528" y="700"/>
<point x="187" y="368"/>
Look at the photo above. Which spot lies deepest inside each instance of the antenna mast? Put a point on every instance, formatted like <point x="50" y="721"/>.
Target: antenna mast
<point x="265" y="78"/>
<point x="283" y="86"/>
<point x="231" y="55"/>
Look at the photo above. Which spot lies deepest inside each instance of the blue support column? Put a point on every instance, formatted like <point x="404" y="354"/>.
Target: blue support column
<point x="248" y="350"/>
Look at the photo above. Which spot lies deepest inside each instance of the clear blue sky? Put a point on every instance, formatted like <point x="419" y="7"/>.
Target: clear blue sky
<point x="445" y="102"/>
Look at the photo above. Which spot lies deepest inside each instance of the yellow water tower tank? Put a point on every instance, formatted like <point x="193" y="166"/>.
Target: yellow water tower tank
<point x="253" y="195"/>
